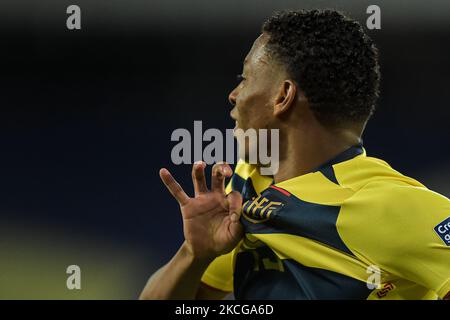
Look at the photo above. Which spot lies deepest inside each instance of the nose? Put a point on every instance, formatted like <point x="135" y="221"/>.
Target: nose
<point x="232" y="97"/>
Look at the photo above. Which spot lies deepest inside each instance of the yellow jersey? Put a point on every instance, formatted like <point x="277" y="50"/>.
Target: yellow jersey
<point x="354" y="228"/>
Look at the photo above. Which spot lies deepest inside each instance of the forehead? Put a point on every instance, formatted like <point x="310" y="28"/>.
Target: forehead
<point x="257" y="54"/>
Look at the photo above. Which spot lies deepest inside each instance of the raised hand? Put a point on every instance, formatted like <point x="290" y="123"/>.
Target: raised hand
<point x="211" y="218"/>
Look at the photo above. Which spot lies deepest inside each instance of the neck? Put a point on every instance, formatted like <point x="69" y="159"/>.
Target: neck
<point x="304" y="150"/>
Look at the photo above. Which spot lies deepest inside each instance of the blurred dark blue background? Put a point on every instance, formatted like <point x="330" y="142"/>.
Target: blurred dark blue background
<point x="86" y="119"/>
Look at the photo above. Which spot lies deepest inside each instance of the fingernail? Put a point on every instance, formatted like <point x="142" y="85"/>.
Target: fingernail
<point x="234" y="217"/>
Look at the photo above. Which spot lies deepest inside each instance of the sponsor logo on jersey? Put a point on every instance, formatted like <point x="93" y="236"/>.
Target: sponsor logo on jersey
<point x="443" y="231"/>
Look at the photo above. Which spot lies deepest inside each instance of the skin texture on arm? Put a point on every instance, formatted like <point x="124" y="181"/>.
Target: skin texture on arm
<point x="188" y="283"/>
<point x="178" y="279"/>
<point x="211" y="228"/>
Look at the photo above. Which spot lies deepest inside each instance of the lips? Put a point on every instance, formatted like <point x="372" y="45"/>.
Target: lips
<point x="232" y="116"/>
<point x="235" y="119"/>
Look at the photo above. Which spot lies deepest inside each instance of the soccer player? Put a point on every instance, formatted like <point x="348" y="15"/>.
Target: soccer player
<point x="333" y="222"/>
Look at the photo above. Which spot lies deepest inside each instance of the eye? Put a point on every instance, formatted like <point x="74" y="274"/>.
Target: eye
<point x="240" y="78"/>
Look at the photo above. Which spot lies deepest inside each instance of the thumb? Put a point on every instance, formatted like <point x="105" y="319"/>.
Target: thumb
<point x="234" y="199"/>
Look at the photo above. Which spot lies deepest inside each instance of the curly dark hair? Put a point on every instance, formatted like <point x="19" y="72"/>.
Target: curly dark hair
<point x="331" y="58"/>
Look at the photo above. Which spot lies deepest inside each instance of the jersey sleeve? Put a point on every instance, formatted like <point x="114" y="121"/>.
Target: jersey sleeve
<point x="219" y="273"/>
<point x="403" y="230"/>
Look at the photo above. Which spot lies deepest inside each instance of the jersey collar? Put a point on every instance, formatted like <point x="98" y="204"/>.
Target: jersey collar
<point x="347" y="154"/>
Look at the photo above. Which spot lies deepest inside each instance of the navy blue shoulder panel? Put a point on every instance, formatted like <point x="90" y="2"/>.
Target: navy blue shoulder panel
<point x="297" y="217"/>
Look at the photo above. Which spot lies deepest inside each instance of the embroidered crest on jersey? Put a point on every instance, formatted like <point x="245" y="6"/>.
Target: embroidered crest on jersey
<point x="260" y="209"/>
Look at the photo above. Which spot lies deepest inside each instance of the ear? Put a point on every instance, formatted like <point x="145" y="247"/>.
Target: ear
<point x="285" y="97"/>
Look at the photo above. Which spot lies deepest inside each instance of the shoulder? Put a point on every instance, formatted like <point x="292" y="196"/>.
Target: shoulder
<point x="379" y="189"/>
<point x="396" y="198"/>
<point x="387" y="207"/>
<point x="387" y="216"/>
<point x="401" y="228"/>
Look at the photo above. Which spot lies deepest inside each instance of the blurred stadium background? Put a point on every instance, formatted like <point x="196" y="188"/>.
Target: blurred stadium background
<point x="86" y="119"/>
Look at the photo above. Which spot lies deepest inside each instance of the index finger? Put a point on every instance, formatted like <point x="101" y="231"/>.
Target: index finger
<point x="173" y="186"/>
